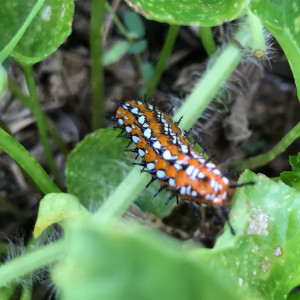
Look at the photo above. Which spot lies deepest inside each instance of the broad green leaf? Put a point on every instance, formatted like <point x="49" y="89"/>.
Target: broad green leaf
<point x="115" y="52"/>
<point x="98" y="164"/>
<point x="14" y="23"/>
<point x="189" y="12"/>
<point x="264" y="255"/>
<point x="138" y="47"/>
<point x="282" y="19"/>
<point x="57" y="207"/>
<point x="48" y="30"/>
<point x="134" y="24"/>
<point x="114" y="263"/>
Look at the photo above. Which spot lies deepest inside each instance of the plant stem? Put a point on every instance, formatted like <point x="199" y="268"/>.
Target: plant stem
<point x="124" y="31"/>
<point x="31" y="261"/>
<point x="40" y="120"/>
<point x="27" y="162"/>
<point x="167" y="48"/>
<point x="262" y="159"/>
<point x="27" y="291"/>
<point x="213" y="79"/>
<point x="14" y="41"/>
<point x="257" y="33"/>
<point x="97" y="70"/>
<point x="119" y="201"/>
<point x="25" y="100"/>
<point x="207" y="40"/>
<point x="118" y="23"/>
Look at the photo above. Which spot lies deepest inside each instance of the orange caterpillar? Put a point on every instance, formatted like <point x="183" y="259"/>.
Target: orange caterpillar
<point x="170" y="158"/>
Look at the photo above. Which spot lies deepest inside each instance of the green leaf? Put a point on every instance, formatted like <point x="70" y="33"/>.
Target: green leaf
<point x="56" y="207"/>
<point x="295" y="162"/>
<point x="11" y="32"/>
<point x="266" y="248"/>
<point x="114" y="263"/>
<point x="147" y="70"/>
<point x="134" y="24"/>
<point x="292" y="178"/>
<point x="138" y="47"/>
<point x="282" y="19"/>
<point x="48" y="30"/>
<point x="98" y="164"/>
<point x="190" y="12"/>
<point x="115" y="52"/>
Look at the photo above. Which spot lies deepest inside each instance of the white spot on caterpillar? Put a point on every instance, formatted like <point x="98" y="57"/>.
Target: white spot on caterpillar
<point x="135" y="139"/>
<point x="135" y="110"/>
<point x="194" y="193"/>
<point x="157" y="145"/>
<point x="141" y="152"/>
<point x="226" y="180"/>
<point x="209" y="196"/>
<point x="120" y="121"/>
<point x="167" y="155"/>
<point x="189" y="170"/>
<point x="160" y="174"/>
<point x="128" y="129"/>
<point x="172" y="182"/>
<point x="141" y="119"/>
<point x="188" y="190"/>
<point x="177" y="166"/>
<point x="194" y="174"/>
<point x="148" y="133"/>
<point x="216" y="172"/>
<point x="201" y="175"/>
<point x="150" y="166"/>
<point x="210" y="165"/>
<point x="213" y="184"/>
<point x="183" y="190"/>
<point x="184" y="149"/>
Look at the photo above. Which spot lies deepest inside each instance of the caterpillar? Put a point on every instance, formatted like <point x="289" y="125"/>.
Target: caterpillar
<point x="168" y="156"/>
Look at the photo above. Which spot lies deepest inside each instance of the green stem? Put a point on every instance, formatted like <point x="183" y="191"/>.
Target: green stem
<point x="167" y="48"/>
<point x="203" y="93"/>
<point x="257" y="33"/>
<point x="262" y="159"/>
<point x="207" y="40"/>
<point x="13" y="42"/>
<point x="25" y="100"/>
<point x="124" y="31"/>
<point x="27" y="162"/>
<point x="97" y="70"/>
<point x="118" y="23"/>
<point x="213" y="79"/>
<point x="40" y="121"/>
<point x="31" y="261"/>
<point x="119" y="201"/>
<point x="27" y="291"/>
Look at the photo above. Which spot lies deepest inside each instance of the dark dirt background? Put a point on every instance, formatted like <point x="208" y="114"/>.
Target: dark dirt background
<point x="261" y="108"/>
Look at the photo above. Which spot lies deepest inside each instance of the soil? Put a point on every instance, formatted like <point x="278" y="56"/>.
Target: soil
<point x="261" y="107"/>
